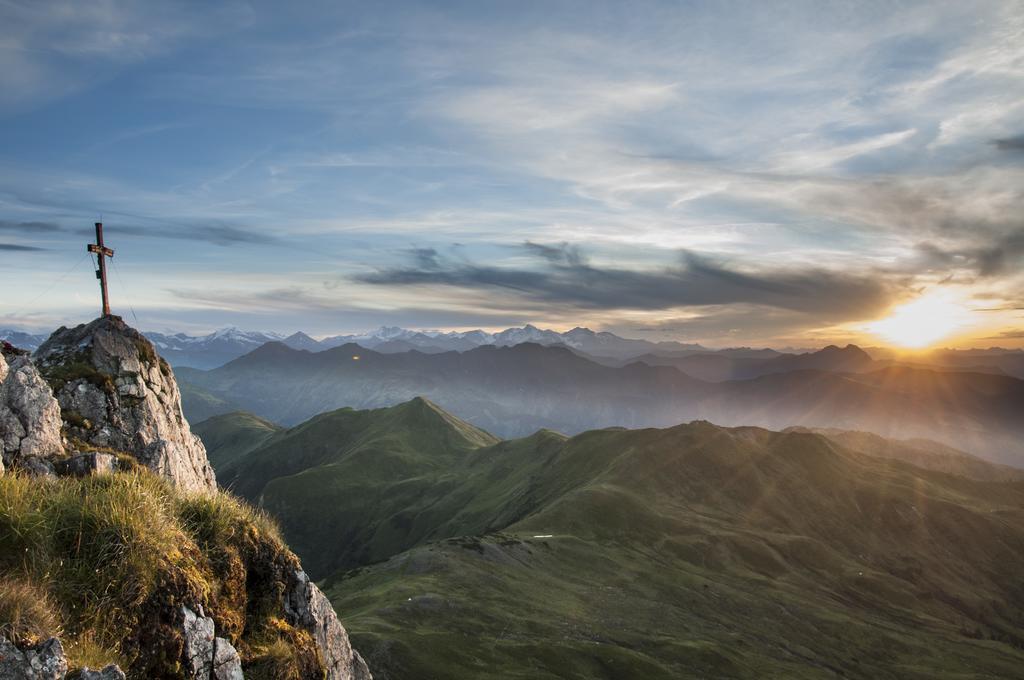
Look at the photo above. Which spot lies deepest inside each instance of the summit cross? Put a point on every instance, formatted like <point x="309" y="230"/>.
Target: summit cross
<point x="102" y="253"/>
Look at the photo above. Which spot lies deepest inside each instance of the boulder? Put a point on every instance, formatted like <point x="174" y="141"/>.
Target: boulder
<point x="307" y="607"/>
<point x="85" y="464"/>
<point x="116" y="393"/>
<point x="45" y="661"/>
<point x="30" y="422"/>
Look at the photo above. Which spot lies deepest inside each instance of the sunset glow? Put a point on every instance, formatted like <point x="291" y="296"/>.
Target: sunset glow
<point x="922" y="322"/>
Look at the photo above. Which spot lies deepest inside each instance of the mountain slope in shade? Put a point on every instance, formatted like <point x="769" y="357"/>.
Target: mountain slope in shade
<point x="693" y="551"/>
<point x="726" y="365"/>
<point x="513" y="391"/>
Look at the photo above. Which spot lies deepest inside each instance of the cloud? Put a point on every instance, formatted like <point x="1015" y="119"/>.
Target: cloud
<point x="1007" y="335"/>
<point x="564" y="277"/>
<point x="18" y="248"/>
<point x="218" y="234"/>
<point x="1010" y="143"/>
<point x="29" y="227"/>
<point x="999" y="257"/>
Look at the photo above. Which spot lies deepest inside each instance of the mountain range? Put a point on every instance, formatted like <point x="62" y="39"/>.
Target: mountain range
<point x="514" y="391"/>
<point x="692" y="551"/>
<point x="219" y="347"/>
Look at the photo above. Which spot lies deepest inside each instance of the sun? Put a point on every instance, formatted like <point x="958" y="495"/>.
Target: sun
<point x="922" y="322"/>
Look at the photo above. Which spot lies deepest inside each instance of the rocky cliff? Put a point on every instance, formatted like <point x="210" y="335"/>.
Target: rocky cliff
<point x="116" y="393"/>
<point x="161" y="573"/>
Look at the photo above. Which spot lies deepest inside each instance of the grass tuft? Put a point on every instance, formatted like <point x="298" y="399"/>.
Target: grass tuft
<point x="27" y="616"/>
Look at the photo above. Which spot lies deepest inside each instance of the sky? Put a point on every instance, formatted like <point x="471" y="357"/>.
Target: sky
<point x="732" y="173"/>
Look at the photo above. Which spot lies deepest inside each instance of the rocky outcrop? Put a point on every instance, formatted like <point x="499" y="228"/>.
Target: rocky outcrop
<point x="307" y="607"/>
<point x="91" y="400"/>
<point x="208" y="656"/>
<point x="45" y="661"/>
<point x="30" y="423"/>
<point x="115" y="393"/>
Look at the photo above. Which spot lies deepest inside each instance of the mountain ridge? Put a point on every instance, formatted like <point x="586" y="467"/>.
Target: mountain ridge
<point x="513" y="391"/>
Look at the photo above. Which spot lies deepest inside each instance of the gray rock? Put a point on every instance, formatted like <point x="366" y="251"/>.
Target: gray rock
<point x="45" y="661"/>
<point x="111" y="672"/>
<point x="85" y="464"/>
<point x="226" y="663"/>
<point x="114" y="391"/>
<point x="36" y="466"/>
<point x="30" y="423"/>
<point x="197" y="629"/>
<point x="307" y="607"/>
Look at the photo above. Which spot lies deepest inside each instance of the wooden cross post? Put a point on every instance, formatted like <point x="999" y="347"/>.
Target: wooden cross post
<point x="102" y="252"/>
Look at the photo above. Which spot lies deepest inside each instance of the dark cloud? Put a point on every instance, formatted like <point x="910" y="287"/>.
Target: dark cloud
<point x="1010" y="143"/>
<point x="296" y="302"/>
<point x="563" y="276"/>
<point x="18" y="248"/>
<point x="1000" y="257"/>
<point x="563" y="253"/>
<point x="29" y="227"/>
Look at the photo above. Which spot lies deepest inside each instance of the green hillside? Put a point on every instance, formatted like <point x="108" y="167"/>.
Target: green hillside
<point x="342" y="482"/>
<point x="707" y="552"/>
<point x="692" y="551"/>
<point x="231" y="435"/>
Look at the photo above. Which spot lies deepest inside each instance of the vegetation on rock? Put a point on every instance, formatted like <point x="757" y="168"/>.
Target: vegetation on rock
<point x="108" y="562"/>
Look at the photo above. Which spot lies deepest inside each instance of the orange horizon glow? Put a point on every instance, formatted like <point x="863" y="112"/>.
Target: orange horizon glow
<point x="921" y="323"/>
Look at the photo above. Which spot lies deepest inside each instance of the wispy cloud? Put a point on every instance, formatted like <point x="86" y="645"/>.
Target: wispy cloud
<point x="14" y="247"/>
<point x="29" y="227"/>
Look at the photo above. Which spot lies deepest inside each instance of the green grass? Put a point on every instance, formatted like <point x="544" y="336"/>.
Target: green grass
<point x="572" y="608"/>
<point x="107" y="562"/>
